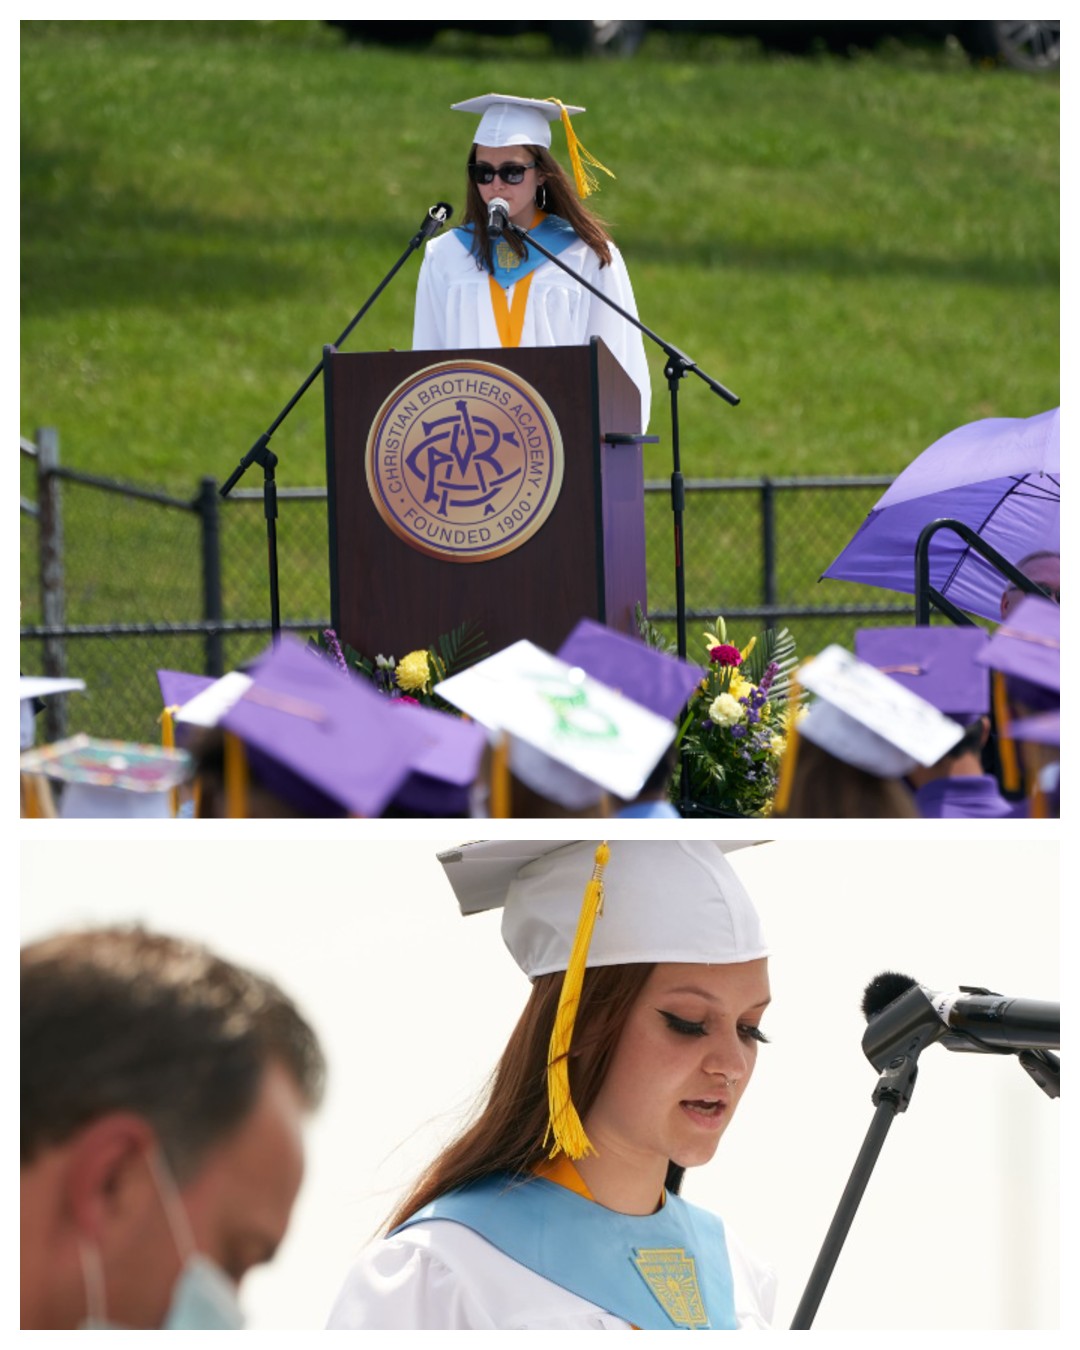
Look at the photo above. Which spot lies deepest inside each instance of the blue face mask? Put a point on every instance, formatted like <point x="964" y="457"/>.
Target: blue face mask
<point x="203" y="1297"/>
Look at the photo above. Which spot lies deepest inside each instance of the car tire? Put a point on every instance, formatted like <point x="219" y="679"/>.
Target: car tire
<point x="598" y="37"/>
<point x="1023" y="44"/>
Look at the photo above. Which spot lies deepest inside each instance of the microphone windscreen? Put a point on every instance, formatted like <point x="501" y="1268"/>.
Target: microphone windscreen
<point x="882" y="990"/>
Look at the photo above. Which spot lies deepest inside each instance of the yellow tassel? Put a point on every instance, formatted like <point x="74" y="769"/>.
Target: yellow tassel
<point x="168" y="741"/>
<point x="585" y="181"/>
<point x="787" y="761"/>
<point x="500" y="779"/>
<point x="564" y="1124"/>
<point x="1010" y="763"/>
<point x="236" y="778"/>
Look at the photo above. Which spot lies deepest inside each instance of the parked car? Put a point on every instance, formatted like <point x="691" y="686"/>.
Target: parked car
<point x="585" y="37"/>
<point x="1025" y="44"/>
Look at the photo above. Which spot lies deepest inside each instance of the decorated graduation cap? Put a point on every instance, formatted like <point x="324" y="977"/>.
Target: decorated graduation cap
<point x="571" y="736"/>
<point x="937" y="664"/>
<point x="644" y="901"/>
<point x="870" y="721"/>
<point x="506" y="119"/>
<point x="108" y="779"/>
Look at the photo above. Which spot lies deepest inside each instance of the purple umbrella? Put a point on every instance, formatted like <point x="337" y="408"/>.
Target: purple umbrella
<point x="1001" y="477"/>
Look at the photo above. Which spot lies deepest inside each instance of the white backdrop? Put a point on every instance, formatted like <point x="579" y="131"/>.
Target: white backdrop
<point x="959" y="1226"/>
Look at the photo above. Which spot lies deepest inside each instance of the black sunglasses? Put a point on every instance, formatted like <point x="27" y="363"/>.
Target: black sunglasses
<point x="509" y="172"/>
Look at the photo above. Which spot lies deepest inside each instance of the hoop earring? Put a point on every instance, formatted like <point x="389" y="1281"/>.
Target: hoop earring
<point x="541" y="197"/>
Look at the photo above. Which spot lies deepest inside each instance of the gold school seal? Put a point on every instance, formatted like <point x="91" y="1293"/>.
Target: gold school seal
<point x="672" y="1276"/>
<point x="464" y="461"/>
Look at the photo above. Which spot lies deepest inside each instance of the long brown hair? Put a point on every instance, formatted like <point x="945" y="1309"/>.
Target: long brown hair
<point x="825" y="786"/>
<point x="561" y="200"/>
<point x="508" y="1134"/>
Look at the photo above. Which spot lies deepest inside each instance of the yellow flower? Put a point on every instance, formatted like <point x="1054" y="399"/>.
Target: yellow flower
<point x="413" y="672"/>
<point x="739" y="685"/>
<point x="749" y="648"/>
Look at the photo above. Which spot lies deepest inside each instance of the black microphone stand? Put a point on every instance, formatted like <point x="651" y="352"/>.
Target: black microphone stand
<point x="676" y="367"/>
<point x="890" y="1097"/>
<point x="260" y="452"/>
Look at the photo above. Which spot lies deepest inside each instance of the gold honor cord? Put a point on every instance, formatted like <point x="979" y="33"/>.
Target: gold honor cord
<point x="564" y="1125"/>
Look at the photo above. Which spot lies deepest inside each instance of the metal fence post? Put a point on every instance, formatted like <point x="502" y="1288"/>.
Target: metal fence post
<point x="207" y="505"/>
<point x="768" y="540"/>
<point x="51" y="559"/>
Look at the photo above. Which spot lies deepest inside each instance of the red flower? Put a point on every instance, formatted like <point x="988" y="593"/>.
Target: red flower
<point x="725" y="655"/>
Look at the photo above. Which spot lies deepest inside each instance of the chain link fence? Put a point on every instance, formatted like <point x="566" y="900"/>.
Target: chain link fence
<point x="118" y="581"/>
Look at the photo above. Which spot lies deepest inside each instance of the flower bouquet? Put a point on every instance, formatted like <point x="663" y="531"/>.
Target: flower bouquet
<point x="736" y="726"/>
<point x="410" y="678"/>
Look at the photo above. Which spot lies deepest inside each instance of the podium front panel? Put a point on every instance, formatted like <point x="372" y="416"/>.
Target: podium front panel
<point x="585" y="560"/>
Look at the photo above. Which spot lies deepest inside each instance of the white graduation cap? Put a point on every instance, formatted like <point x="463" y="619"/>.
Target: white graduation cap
<point x="666" y="900"/>
<point x="508" y="120"/>
<point x="869" y="720"/>
<point x="38" y="686"/>
<point x="644" y="900"/>
<point x="569" y="733"/>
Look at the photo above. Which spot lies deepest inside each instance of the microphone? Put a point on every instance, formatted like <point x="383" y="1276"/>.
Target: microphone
<point x="901" y="1013"/>
<point x="436" y="218"/>
<point x="498" y="216"/>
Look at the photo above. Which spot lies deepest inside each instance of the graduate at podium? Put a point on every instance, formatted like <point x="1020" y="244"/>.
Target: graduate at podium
<point x="481" y="288"/>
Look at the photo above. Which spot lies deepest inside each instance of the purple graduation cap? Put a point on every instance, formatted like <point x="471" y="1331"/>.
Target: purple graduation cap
<point x="443" y="772"/>
<point x="652" y="678"/>
<point x="1027" y="648"/>
<point x="938" y="664"/>
<point x="320" y="740"/>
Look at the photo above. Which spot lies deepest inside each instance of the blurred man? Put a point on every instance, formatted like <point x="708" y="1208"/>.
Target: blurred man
<point x="1044" y="568"/>
<point x="163" y="1093"/>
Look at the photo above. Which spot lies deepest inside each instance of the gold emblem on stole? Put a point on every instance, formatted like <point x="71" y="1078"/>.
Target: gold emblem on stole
<point x="672" y="1277"/>
<point x="505" y="255"/>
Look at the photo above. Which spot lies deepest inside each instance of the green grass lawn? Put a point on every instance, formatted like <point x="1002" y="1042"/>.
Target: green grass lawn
<point x="865" y="250"/>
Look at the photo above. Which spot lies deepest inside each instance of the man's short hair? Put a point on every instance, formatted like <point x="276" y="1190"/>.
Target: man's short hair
<point x="120" y="1019"/>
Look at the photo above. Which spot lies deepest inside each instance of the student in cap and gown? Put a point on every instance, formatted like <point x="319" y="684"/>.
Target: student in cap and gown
<point x="557" y="1208"/>
<point x="474" y="291"/>
<point x="848" y="755"/>
<point x="1025" y="656"/>
<point x="291" y="736"/>
<point x="939" y="664"/>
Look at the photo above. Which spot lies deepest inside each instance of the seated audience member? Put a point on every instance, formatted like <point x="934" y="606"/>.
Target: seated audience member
<point x="939" y="664"/>
<point x="163" y="1094"/>
<point x="849" y="754"/>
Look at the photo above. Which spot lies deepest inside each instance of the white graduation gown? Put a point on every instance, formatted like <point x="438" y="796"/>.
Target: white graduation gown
<point x="453" y="307"/>
<point x="439" y="1275"/>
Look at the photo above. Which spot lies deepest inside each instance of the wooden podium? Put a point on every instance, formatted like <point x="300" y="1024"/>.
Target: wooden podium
<point x="390" y="594"/>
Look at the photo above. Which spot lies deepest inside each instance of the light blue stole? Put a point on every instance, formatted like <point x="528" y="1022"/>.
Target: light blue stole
<point x="656" y="1271"/>
<point x="553" y="232"/>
